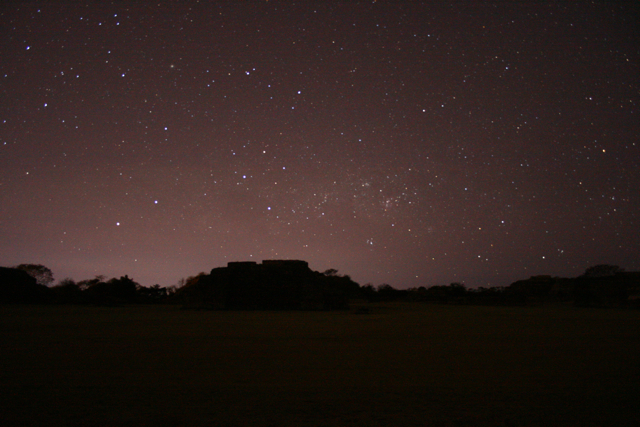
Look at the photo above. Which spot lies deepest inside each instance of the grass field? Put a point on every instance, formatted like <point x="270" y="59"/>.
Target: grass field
<point x="400" y="365"/>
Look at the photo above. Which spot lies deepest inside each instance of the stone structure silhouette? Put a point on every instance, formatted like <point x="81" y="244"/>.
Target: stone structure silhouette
<point x="271" y="285"/>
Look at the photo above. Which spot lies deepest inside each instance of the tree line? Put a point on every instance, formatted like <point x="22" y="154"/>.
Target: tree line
<point x="601" y="285"/>
<point x="290" y="286"/>
<point x="34" y="283"/>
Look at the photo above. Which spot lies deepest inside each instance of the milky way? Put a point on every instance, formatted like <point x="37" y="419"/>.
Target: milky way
<point x="410" y="144"/>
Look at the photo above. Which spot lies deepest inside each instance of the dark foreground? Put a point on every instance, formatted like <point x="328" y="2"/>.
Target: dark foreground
<point x="400" y="365"/>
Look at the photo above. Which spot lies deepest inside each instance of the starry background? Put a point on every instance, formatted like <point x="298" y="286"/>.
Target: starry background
<point x="408" y="143"/>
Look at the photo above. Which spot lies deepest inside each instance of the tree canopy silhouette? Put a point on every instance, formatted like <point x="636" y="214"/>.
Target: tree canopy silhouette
<point x="42" y="274"/>
<point x="16" y="286"/>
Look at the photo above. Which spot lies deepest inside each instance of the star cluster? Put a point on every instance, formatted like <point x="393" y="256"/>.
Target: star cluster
<point x="414" y="144"/>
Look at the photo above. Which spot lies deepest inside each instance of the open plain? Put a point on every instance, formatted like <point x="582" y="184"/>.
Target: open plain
<point x="399" y="365"/>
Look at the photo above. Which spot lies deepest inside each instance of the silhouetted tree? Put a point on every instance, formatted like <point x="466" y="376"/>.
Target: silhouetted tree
<point x="16" y="286"/>
<point x="87" y="283"/>
<point x="417" y="294"/>
<point x="67" y="291"/>
<point x="338" y="290"/>
<point x="42" y="274"/>
<point x="67" y="281"/>
<point x="115" y="291"/>
<point x="487" y="296"/>
<point x="386" y="292"/>
<point x="368" y="292"/>
<point x="153" y="293"/>
<point x="457" y="290"/>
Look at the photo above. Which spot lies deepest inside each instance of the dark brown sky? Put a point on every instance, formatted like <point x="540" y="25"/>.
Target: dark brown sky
<point x="410" y="144"/>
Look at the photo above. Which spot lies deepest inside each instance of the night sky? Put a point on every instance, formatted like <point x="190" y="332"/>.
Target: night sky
<point x="408" y="143"/>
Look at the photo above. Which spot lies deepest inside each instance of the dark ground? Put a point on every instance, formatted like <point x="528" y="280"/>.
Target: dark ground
<point x="401" y="365"/>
